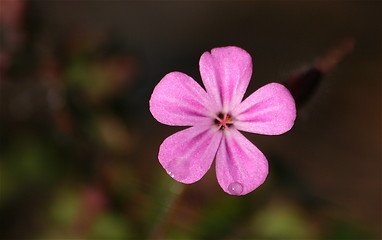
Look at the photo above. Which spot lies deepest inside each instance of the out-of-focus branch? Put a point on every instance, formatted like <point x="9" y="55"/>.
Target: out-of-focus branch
<point x="303" y="84"/>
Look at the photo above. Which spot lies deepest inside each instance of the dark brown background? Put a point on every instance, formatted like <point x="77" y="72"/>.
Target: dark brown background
<point x="335" y="145"/>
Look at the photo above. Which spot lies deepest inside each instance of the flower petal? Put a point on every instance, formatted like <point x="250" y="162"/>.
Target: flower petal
<point x="188" y="154"/>
<point x="178" y="100"/>
<point x="240" y="166"/>
<point x="226" y="73"/>
<point x="270" y="110"/>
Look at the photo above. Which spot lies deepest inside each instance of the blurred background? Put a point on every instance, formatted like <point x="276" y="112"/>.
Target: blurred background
<point x="79" y="146"/>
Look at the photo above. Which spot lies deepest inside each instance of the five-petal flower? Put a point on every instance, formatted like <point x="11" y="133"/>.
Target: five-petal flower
<point x="215" y="115"/>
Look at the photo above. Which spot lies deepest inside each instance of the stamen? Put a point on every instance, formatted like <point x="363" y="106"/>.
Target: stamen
<point x="227" y="118"/>
<point x="223" y="121"/>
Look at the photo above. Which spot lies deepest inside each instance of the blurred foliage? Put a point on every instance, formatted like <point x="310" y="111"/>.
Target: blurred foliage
<point x="282" y="220"/>
<point x="69" y="168"/>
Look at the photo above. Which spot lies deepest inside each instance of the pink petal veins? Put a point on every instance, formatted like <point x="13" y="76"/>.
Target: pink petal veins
<point x="270" y="110"/>
<point x="178" y="100"/>
<point x="240" y="166"/>
<point x="188" y="154"/>
<point x="226" y="73"/>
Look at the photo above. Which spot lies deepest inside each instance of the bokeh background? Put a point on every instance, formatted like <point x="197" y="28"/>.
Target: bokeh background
<point x="79" y="147"/>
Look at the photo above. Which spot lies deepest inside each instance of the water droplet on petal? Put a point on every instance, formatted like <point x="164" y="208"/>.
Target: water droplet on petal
<point x="235" y="188"/>
<point x="179" y="168"/>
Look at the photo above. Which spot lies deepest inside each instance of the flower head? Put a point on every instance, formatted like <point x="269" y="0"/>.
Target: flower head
<point x="215" y="115"/>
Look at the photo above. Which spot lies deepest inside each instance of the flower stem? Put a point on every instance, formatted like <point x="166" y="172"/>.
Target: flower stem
<point x="176" y="191"/>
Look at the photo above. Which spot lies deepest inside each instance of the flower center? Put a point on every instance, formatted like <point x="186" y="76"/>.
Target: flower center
<point x="223" y="121"/>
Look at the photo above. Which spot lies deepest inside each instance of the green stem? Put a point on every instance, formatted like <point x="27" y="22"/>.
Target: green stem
<point x="176" y="191"/>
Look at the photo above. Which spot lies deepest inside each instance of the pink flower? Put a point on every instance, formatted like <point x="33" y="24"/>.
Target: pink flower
<point x="215" y="116"/>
